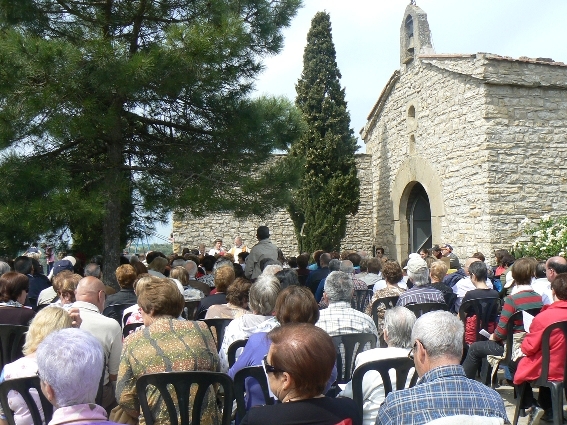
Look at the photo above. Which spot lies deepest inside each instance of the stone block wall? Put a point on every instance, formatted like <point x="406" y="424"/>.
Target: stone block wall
<point x="526" y="141"/>
<point x="489" y="138"/>
<point x="190" y="231"/>
<point x="448" y="134"/>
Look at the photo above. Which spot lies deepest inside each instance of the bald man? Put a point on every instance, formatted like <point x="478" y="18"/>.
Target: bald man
<point x="465" y="284"/>
<point x="90" y="297"/>
<point x="555" y="266"/>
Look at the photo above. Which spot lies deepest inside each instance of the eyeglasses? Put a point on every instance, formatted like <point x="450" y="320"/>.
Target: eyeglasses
<point x="268" y="368"/>
<point x="412" y="351"/>
<point x="39" y="376"/>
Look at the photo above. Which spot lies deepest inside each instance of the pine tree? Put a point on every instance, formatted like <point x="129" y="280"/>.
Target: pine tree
<point x="329" y="188"/>
<point x="118" y="112"/>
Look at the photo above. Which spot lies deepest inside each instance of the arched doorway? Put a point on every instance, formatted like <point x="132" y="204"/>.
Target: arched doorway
<point x="418" y="215"/>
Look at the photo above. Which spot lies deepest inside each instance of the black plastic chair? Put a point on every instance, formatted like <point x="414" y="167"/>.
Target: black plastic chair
<point x="422" y="308"/>
<point x="486" y="370"/>
<point x="128" y="329"/>
<point x="352" y="344"/>
<point x="485" y="311"/>
<point x="388" y="302"/>
<point x="219" y="325"/>
<point x="201" y="315"/>
<point x="252" y="372"/>
<point x="233" y="348"/>
<point x="190" y="310"/>
<point x="116" y="311"/>
<point x="12" y="338"/>
<point x="23" y="386"/>
<point x="556" y="387"/>
<point x="450" y="300"/>
<point x="360" y="298"/>
<point x="402" y="365"/>
<point x="182" y="383"/>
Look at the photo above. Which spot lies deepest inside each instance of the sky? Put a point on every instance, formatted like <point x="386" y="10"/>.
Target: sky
<point x="366" y="36"/>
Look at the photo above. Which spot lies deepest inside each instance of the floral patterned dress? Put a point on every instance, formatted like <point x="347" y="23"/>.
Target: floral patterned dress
<point x="166" y="345"/>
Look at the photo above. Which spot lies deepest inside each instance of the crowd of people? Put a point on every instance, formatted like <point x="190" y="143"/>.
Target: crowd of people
<point x="288" y="310"/>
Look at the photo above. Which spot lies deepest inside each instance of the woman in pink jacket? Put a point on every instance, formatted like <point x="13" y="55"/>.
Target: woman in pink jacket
<point x="529" y="367"/>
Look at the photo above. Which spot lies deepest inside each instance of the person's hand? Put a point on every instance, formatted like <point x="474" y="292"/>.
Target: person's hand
<point x="492" y="338"/>
<point x="75" y="317"/>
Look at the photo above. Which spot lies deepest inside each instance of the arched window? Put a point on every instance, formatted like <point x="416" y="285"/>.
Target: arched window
<point x="409" y="26"/>
<point x="409" y="41"/>
<point x="411" y="111"/>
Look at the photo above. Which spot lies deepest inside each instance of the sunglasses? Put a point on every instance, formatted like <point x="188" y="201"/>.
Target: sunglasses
<point x="268" y="368"/>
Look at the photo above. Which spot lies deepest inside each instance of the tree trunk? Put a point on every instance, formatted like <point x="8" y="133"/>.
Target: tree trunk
<point x="111" y="224"/>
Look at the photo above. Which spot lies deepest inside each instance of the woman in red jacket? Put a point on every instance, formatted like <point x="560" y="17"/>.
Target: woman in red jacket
<point x="529" y="367"/>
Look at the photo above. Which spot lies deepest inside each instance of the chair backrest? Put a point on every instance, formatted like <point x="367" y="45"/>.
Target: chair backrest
<point x="252" y="372"/>
<point x="360" y="298"/>
<point x="388" y="302"/>
<point x="23" y="386"/>
<point x="190" y="310"/>
<point x="182" y="383"/>
<point x="219" y="325"/>
<point x="422" y="308"/>
<point x="12" y="338"/>
<point x="352" y="345"/>
<point x="128" y="329"/>
<point x="116" y="311"/>
<point x="485" y="311"/>
<point x="402" y="365"/>
<point x="516" y="316"/>
<point x="450" y="299"/>
<point x="545" y="351"/>
<point x="233" y="348"/>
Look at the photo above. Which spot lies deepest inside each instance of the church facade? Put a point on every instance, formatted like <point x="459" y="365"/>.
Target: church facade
<point x="464" y="147"/>
<point x="460" y="148"/>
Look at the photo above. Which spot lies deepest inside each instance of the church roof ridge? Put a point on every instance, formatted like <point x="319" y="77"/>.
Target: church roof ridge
<point x="491" y="56"/>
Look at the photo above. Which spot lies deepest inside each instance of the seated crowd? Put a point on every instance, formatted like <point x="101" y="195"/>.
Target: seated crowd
<point x="88" y="342"/>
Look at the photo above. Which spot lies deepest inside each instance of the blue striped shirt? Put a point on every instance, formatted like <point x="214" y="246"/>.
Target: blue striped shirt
<point x="420" y="295"/>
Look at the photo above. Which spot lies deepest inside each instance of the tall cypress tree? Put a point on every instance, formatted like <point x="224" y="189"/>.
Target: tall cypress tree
<point x="330" y="188"/>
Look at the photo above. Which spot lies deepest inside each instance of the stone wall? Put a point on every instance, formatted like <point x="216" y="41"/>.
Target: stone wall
<point x="439" y="148"/>
<point x="488" y="146"/>
<point x="526" y="142"/>
<point x="190" y="231"/>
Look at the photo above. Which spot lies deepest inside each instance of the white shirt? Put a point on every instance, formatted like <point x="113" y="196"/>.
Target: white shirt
<point x="106" y="330"/>
<point x="543" y="287"/>
<point x="372" y="385"/>
<point x="462" y="287"/>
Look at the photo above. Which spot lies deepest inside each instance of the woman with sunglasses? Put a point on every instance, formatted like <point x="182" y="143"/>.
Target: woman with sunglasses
<point x="298" y="366"/>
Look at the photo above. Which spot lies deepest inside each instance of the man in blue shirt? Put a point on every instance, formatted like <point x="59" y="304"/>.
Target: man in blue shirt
<point x="443" y="389"/>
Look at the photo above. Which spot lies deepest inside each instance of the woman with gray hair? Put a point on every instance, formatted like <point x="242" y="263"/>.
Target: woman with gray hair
<point x="262" y="301"/>
<point x="72" y="389"/>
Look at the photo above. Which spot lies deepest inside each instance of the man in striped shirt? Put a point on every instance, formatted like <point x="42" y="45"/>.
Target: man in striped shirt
<point x="523" y="298"/>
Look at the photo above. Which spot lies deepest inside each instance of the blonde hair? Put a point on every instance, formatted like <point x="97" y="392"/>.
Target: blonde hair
<point x="46" y="321"/>
<point x="142" y="282"/>
<point x="438" y="270"/>
<point x="181" y="274"/>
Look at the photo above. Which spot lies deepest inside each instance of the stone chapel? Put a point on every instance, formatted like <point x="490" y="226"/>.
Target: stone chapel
<point x="460" y="148"/>
<point x="465" y="146"/>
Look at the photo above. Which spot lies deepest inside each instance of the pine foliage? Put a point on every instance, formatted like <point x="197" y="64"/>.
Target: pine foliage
<point x="116" y="112"/>
<point x="329" y="188"/>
